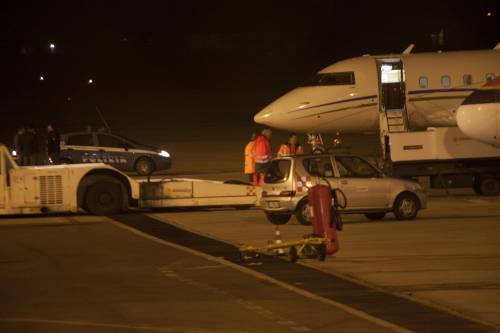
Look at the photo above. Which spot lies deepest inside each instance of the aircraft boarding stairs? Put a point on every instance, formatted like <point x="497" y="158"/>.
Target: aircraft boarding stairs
<point x="391" y="121"/>
<point x="396" y="121"/>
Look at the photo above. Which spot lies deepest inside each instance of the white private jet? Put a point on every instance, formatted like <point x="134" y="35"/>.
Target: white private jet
<point x="479" y="115"/>
<point x="348" y="96"/>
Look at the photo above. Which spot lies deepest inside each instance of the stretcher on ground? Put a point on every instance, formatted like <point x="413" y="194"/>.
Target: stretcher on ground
<point x="309" y="247"/>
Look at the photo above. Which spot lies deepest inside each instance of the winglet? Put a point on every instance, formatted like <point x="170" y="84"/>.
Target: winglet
<point x="409" y="48"/>
<point x="497" y="47"/>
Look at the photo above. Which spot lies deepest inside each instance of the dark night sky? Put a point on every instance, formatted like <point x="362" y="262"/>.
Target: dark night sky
<point x="179" y="63"/>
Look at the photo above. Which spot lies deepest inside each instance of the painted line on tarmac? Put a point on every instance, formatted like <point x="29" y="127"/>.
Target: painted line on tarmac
<point x="376" y="306"/>
<point x="105" y="325"/>
<point x="249" y="271"/>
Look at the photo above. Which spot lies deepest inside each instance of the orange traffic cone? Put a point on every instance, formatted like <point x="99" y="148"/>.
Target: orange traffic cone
<point x="277" y="240"/>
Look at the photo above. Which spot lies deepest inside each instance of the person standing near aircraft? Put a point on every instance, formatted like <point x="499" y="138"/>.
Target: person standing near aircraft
<point x="18" y="145"/>
<point x="262" y="154"/>
<point x="27" y="147"/>
<point x="53" y="144"/>
<point x="291" y="148"/>
<point x="249" y="158"/>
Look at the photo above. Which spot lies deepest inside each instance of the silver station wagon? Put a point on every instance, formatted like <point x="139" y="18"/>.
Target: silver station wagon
<point x="367" y="190"/>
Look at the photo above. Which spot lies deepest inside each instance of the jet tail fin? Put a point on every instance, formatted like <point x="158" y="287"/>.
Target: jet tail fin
<point x="408" y="49"/>
<point x="497" y="47"/>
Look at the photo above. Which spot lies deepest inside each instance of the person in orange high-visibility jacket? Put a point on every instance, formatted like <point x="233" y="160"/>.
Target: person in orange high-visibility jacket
<point x="292" y="147"/>
<point x="249" y="158"/>
<point x="263" y="154"/>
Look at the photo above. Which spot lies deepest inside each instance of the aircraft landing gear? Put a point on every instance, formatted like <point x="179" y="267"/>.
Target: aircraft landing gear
<point x="318" y="146"/>
<point x="316" y="142"/>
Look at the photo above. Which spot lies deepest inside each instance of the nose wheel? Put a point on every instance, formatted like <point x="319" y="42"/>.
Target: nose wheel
<point x="316" y="142"/>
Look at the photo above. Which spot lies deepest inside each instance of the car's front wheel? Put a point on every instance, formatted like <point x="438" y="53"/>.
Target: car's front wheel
<point x="144" y="166"/>
<point x="406" y="206"/>
<point x="278" y="218"/>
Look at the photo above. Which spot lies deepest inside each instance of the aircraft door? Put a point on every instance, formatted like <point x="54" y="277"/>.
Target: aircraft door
<point x="392" y="84"/>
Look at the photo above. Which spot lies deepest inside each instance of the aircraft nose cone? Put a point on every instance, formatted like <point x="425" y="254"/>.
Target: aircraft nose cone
<point x="263" y="117"/>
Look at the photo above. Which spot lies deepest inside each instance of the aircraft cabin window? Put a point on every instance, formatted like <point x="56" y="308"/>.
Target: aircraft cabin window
<point x="490" y="77"/>
<point x="331" y="79"/>
<point x="445" y="81"/>
<point x="467" y="80"/>
<point x="423" y="82"/>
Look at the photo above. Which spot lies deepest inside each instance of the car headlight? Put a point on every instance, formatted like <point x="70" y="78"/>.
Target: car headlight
<point x="164" y="153"/>
<point x="14" y="153"/>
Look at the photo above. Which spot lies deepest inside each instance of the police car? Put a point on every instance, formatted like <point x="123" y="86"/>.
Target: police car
<point x="122" y="153"/>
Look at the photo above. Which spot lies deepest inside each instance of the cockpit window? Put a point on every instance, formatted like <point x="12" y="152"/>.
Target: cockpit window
<point x="331" y="79"/>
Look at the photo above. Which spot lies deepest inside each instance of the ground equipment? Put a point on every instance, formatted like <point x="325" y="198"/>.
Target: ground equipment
<point x="324" y="209"/>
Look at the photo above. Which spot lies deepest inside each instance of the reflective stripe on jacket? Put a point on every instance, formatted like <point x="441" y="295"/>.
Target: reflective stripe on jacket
<point x="262" y="150"/>
<point x="287" y="150"/>
<point x="249" y="158"/>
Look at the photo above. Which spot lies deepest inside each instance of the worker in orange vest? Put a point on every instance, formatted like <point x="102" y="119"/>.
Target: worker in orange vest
<point x="292" y="147"/>
<point x="262" y="154"/>
<point x="249" y="158"/>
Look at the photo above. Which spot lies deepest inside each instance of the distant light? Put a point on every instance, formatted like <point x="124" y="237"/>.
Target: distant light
<point x="52" y="46"/>
<point x="489" y="14"/>
<point x="91" y="81"/>
<point x="14" y="153"/>
<point x="41" y="78"/>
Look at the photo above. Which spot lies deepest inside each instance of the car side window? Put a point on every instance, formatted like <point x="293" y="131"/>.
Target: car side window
<point x="319" y="166"/>
<point x="111" y="141"/>
<point x="352" y="166"/>
<point x="80" y="140"/>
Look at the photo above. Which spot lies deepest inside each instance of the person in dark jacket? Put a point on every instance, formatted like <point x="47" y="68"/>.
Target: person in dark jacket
<point x="27" y="144"/>
<point x="17" y="145"/>
<point x="53" y="144"/>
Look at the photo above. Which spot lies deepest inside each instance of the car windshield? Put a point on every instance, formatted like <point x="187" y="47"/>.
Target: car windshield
<point x="352" y="166"/>
<point x="278" y="171"/>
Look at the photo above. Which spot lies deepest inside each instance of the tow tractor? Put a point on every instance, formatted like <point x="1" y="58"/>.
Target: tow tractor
<point x="100" y="189"/>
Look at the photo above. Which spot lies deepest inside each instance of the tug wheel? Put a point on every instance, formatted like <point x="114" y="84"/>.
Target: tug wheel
<point x="321" y="252"/>
<point x="292" y="254"/>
